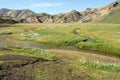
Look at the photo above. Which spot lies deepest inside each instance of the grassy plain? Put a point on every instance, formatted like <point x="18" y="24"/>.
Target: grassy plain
<point x="106" y="36"/>
<point x="98" y="59"/>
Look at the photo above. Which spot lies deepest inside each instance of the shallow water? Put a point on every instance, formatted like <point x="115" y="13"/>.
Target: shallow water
<point x="86" y="38"/>
<point x="6" y="40"/>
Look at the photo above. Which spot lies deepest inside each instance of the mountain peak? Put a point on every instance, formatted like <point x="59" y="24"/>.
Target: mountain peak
<point x="73" y="11"/>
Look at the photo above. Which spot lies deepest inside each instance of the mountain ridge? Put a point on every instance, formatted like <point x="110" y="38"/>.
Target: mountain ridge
<point x="28" y="16"/>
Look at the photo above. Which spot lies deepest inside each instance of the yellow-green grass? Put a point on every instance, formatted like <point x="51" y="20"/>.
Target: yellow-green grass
<point x="107" y="37"/>
<point x="55" y="35"/>
<point x="113" y="16"/>
<point x="41" y="53"/>
<point x="92" y="64"/>
<point x="5" y="32"/>
<point x="71" y="63"/>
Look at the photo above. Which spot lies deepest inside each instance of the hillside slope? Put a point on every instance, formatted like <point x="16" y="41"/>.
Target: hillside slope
<point x="113" y="16"/>
<point x="9" y="21"/>
<point x="17" y="15"/>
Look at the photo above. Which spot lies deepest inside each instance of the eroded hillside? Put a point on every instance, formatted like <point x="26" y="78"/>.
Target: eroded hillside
<point x="28" y="16"/>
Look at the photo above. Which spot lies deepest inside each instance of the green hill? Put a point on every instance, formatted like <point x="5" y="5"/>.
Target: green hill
<point x="113" y="16"/>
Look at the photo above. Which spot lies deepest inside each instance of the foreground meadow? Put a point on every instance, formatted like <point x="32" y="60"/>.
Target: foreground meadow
<point x="60" y="51"/>
<point x="97" y="37"/>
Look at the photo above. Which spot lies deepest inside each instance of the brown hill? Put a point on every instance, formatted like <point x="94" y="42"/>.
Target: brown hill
<point x="28" y="16"/>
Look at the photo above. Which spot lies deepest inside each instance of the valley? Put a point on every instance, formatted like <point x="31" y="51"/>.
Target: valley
<point x="72" y="45"/>
<point x="67" y="51"/>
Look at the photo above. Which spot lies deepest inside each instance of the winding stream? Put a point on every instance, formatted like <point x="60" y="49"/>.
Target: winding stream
<point x="86" y="39"/>
<point x="6" y="40"/>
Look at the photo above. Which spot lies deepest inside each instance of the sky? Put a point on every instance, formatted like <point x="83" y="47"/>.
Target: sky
<point x="53" y="6"/>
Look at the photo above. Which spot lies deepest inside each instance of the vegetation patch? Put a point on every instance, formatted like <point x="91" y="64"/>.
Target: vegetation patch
<point x="42" y="53"/>
<point x="102" y="47"/>
<point x="46" y="36"/>
<point x="107" y="38"/>
<point x="5" y="32"/>
<point x="100" y="65"/>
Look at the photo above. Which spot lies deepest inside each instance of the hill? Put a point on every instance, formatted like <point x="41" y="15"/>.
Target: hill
<point x="9" y="21"/>
<point x="112" y="17"/>
<point x="102" y="14"/>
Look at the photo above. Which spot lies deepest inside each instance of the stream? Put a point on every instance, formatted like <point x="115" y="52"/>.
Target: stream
<point x="6" y="40"/>
<point x="86" y="38"/>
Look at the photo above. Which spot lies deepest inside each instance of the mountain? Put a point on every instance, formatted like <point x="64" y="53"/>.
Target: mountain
<point x="102" y="14"/>
<point x="98" y="14"/>
<point x="72" y="16"/>
<point x="16" y="14"/>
